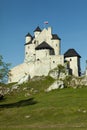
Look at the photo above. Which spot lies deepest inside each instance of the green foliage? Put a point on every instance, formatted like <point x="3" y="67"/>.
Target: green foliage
<point x="38" y="83"/>
<point x="71" y="81"/>
<point x="4" y="69"/>
<point x="59" y="69"/>
<point x="67" y="81"/>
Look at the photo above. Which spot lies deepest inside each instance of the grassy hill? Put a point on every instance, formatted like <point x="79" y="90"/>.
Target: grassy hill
<point x="31" y="108"/>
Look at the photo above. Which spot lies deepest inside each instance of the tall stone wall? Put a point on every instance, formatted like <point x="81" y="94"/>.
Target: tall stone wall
<point x="38" y="68"/>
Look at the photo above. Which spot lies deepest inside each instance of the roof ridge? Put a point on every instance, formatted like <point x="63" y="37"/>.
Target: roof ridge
<point x="43" y="45"/>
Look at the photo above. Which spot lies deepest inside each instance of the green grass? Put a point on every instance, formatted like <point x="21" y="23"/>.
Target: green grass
<point x="64" y="109"/>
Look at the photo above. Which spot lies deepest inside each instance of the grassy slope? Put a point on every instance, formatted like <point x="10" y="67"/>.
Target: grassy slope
<point x="58" y="109"/>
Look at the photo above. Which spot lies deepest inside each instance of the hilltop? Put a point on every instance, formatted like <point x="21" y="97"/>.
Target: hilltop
<point x="30" y="107"/>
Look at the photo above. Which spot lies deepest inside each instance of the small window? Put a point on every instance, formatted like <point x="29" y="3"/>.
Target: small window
<point x="53" y="61"/>
<point x="26" y="52"/>
<point x="70" y="59"/>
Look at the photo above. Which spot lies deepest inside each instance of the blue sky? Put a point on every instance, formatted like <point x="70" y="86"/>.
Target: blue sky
<point x="68" y="18"/>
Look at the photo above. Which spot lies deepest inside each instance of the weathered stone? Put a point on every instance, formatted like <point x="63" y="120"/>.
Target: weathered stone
<point x="55" y="85"/>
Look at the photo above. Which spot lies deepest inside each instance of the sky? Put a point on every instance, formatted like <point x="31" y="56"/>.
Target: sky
<point x="68" y="19"/>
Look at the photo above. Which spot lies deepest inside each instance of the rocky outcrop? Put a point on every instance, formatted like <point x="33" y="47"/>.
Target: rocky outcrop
<point x="56" y="85"/>
<point x="24" y="79"/>
<point x="69" y="81"/>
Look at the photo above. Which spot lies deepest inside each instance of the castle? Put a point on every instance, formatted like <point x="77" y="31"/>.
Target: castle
<point x="42" y="54"/>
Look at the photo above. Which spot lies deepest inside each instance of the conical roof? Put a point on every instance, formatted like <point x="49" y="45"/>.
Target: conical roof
<point x="55" y="36"/>
<point x="28" y="35"/>
<point x="37" y="29"/>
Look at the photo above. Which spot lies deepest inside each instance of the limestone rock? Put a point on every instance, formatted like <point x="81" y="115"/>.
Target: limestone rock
<point x="56" y="85"/>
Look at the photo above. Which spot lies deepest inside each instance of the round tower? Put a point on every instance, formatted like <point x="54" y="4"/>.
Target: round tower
<point x="28" y="38"/>
<point x="56" y="44"/>
<point x="28" y="41"/>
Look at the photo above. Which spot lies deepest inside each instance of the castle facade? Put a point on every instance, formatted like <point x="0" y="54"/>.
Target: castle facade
<point x="42" y="54"/>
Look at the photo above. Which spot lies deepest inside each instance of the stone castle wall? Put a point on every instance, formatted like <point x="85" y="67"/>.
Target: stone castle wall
<point x="37" y="68"/>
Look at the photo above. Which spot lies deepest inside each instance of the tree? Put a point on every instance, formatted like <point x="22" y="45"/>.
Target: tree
<point x="60" y="69"/>
<point x="4" y="69"/>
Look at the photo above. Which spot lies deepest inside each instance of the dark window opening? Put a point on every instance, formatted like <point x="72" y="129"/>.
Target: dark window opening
<point x="52" y="52"/>
<point x="38" y="59"/>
